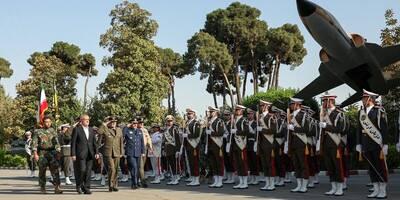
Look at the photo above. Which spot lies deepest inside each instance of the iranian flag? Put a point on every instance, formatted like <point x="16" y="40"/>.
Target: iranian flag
<point x="42" y="106"/>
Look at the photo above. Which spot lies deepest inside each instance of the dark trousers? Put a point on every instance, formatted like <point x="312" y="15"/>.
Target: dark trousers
<point x="268" y="168"/>
<point x="333" y="164"/>
<point x="83" y="170"/>
<point x="134" y="164"/>
<point x="228" y="160"/>
<point x="300" y="163"/>
<point x="123" y="164"/>
<point x="111" y="166"/>
<point x="280" y="161"/>
<point x="193" y="158"/>
<point x="379" y="172"/>
<point x="252" y="162"/>
<point x="216" y="161"/>
<point x="240" y="158"/>
<point x="31" y="162"/>
<point x="173" y="164"/>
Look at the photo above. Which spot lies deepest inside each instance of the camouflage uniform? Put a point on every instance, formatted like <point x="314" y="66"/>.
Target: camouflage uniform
<point x="45" y="142"/>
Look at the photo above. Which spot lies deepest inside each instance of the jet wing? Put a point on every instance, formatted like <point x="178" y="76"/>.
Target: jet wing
<point x="385" y="55"/>
<point x="354" y="98"/>
<point x="326" y="81"/>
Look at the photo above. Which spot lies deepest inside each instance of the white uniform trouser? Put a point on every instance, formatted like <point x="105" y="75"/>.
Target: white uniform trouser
<point x="156" y="165"/>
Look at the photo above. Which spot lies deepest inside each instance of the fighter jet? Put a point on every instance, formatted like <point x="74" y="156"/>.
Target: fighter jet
<point x="345" y="59"/>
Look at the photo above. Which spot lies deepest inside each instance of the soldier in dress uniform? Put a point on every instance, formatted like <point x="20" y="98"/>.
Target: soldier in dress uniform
<point x="372" y="142"/>
<point x="47" y="152"/>
<point x="333" y="127"/>
<point x="252" y="159"/>
<point x="267" y="129"/>
<point x="172" y="146"/>
<point x="279" y="145"/>
<point x="155" y="155"/>
<point x="215" y="131"/>
<point x="228" y="157"/>
<point x="191" y="139"/>
<point x="311" y="142"/>
<point x="65" y="143"/>
<point x="29" y="155"/>
<point x="298" y="129"/>
<point x="344" y="139"/>
<point x="112" y="150"/>
<point x="134" y="149"/>
<point x="239" y="134"/>
<point x="148" y="148"/>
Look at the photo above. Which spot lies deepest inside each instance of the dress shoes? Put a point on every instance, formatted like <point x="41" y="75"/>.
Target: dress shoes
<point x="115" y="189"/>
<point x="79" y="190"/>
<point x="87" y="191"/>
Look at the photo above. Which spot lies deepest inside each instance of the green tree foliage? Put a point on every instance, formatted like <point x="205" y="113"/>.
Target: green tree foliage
<point x="172" y="67"/>
<point x="9" y="113"/>
<point x="86" y="68"/>
<point x="55" y="66"/>
<point x="5" y="70"/>
<point x="280" y="98"/>
<point x="211" y="57"/>
<point x="390" y="35"/>
<point x="285" y="47"/>
<point x="136" y="86"/>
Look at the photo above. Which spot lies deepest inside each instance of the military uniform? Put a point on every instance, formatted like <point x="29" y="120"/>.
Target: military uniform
<point x="172" y="146"/>
<point x="65" y="143"/>
<point x="228" y="157"/>
<point x="239" y="139"/>
<point x="148" y="146"/>
<point x="45" y="143"/>
<point x="299" y="129"/>
<point x="112" y="150"/>
<point x="267" y="130"/>
<point x="215" y="133"/>
<point x="191" y="144"/>
<point x="278" y="150"/>
<point x="134" y="148"/>
<point x="252" y="158"/>
<point x="372" y="141"/>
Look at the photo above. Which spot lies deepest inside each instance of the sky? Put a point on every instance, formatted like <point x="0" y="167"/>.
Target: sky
<point x="34" y="26"/>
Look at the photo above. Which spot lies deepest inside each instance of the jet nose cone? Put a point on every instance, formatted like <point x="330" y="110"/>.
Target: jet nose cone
<point x="305" y="8"/>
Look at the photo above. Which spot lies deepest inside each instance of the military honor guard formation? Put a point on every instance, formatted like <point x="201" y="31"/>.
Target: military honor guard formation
<point x="234" y="148"/>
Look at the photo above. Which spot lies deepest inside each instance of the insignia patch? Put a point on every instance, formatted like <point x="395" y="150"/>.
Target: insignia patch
<point x="363" y="117"/>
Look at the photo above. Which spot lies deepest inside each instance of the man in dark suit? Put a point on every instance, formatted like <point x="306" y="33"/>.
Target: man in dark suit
<point x="83" y="151"/>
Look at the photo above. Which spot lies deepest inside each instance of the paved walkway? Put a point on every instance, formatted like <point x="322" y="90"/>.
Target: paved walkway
<point x="15" y="186"/>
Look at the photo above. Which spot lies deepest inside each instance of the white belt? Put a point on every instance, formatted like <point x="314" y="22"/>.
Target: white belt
<point x="66" y="145"/>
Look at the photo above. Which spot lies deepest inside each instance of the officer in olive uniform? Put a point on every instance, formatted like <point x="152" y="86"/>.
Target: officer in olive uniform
<point x="299" y="129"/>
<point x="215" y="131"/>
<point x="372" y="142"/>
<point x="228" y="157"/>
<point x="172" y="146"/>
<point x="333" y="127"/>
<point x="267" y="129"/>
<point x="252" y="159"/>
<point x="191" y="139"/>
<point x="239" y="134"/>
<point x="47" y="151"/>
<point x="134" y="149"/>
<point x="65" y="143"/>
<point x="112" y="150"/>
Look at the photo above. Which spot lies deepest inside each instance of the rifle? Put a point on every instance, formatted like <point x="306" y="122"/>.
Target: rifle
<point x="183" y="131"/>
<point x="255" y="148"/>
<point x="228" y="145"/>
<point x="207" y="128"/>
<point x="320" y="134"/>
<point x="288" y="135"/>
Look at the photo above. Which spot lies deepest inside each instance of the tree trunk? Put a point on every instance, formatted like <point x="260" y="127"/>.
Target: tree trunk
<point x="277" y="76"/>
<point x="270" y="77"/>
<point x="255" y="75"/>
<point x="230" y="90"/>
<point x="244" y="83"/>
<point x="169" y="96"/>
<point x="173" y="95"/>
<point x="276" y="70"/>
<point x="213" y="90"/>
<point x="236" y="74"/>
<point x="86" y="84"/>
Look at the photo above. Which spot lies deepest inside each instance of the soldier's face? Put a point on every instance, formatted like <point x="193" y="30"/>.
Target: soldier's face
<point x="250" y="117"/>
<point x="170" y="122"/>
<point x="238" y="112"/>
<point x="227" y="117"/>
<point x="113" y="124"/>
<point x="47" y="123"/>
<point x="190" y="115"/>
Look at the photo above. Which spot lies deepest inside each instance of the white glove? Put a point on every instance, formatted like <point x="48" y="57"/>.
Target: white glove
<point x="322" y="124"/>
<point x="225" y="135"/>
<point x="255" y="147"/>
<point x="398" y="147"/>
<point x="177" y="154"/>
<point x="228" y="147"/>
<point x="233" y="131"/>
<point x="208" y="132"/>
<point x="385" y="149"/>
<point x="291" y="127"/>
<point x="184" y="135"/>
<point x="259" y="129"/>
<point x="359" y="148"/>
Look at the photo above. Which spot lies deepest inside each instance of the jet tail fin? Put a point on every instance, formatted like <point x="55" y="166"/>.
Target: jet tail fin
<point x="354" y="98"/>
<point x="385" y="55"/>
